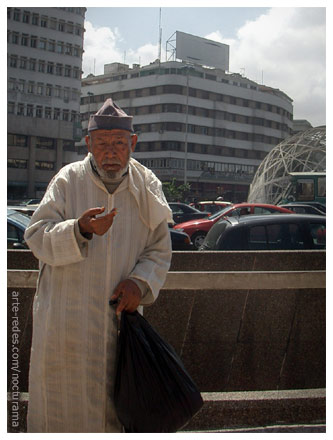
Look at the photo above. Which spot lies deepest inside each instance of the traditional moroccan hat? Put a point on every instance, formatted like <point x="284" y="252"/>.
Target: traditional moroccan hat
<point x="110" y="117"/>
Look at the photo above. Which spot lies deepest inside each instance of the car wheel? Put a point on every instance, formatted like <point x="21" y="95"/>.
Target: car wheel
<point x="198" y="238"/>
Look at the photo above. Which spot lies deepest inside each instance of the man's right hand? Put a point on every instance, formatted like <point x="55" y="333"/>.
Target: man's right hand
<point x="88" y="223"/>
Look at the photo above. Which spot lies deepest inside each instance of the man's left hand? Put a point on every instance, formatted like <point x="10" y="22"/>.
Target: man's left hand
<point x="129" y="294"/>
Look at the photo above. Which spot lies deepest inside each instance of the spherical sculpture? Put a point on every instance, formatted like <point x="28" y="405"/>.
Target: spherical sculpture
<point x="302" y="152"/>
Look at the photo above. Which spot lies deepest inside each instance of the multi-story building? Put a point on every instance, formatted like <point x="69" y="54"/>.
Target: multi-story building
<point x="45" y="47"/>
<point x="199" y="125"/>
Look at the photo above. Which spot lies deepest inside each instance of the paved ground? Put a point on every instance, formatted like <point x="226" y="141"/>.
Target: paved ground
<point x="271" y="429"/>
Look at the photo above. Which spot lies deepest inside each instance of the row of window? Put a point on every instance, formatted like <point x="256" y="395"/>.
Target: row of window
<point x="182" y="90"/>
<point x="202" y="112"/>
<point x="214" y="150"/>
<point x="198" y="165"/>
<point x="44" y="21"/>
<point x="39" y="88"/>
<point x="44" y="44"/>
<point x="44" y="143"/>
<point x="161" y="127"/>
<point x="44" y="67"/>
<point x="39" y="111"/>
<point x="23" y="164"/>
<point x="181" y="71"/>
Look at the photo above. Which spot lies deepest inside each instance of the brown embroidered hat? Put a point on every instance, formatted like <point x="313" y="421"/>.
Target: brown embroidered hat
<point x="110" y="117"/>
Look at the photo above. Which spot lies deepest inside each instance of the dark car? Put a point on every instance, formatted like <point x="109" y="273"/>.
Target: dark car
<point x="180" y="241"/>
<point x="182" y="212"/>
<point x="302" y="208"/>
<point x="278" y="232"/>
<point x="16" y="225"/>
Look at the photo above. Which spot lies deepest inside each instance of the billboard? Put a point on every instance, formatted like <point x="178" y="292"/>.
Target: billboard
<point x="202" y="51"/>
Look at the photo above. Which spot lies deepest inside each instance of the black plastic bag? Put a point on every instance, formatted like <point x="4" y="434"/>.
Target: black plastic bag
<point x="153" y="391"/>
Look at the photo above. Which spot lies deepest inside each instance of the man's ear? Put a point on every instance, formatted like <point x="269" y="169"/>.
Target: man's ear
<point x="134" y="140"/>
<point x="88" y="140"/>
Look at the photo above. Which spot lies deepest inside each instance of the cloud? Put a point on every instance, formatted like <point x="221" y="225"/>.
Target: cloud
<point x="286" y="47"/>
<point x="101" y="46"/>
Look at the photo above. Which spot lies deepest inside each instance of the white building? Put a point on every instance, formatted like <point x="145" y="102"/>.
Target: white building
<point x="222" y="125"/>
<point x="45" y="47"/>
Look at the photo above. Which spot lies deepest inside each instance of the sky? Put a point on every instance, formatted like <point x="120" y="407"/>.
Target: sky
<point x="281" y="47"/>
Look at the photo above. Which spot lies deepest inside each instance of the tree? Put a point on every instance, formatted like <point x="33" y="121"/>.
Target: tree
<point x="174" y="192"/>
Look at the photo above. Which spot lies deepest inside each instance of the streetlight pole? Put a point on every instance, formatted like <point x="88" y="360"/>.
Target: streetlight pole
<point x="186" y="126"/>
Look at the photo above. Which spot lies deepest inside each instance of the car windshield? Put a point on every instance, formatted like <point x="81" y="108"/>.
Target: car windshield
<point x="18" y="217"/>
<point x="219" y="213"/>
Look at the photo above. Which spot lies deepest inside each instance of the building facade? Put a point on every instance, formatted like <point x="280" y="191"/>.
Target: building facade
<point x="197" y="125"/>
<point x="45" y="47"/>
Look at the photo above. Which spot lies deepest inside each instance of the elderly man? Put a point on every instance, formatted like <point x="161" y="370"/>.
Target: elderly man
<point x="100" y="233"/>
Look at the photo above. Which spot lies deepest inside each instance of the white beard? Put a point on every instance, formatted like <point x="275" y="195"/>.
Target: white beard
<point x="110" y="175"/>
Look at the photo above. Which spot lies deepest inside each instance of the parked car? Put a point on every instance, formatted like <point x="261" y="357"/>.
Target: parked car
<point x="17" y="222"/>
<point x="16" y="225"/>
<point x="180" y="241"/>
<point x="181" y="212"/>
<point x="316" y="205"/>
<point x="302" y="208"/>
<point x="197" y="229"/>
<point x="210" y="206"/>
<point x="267" y="232"/>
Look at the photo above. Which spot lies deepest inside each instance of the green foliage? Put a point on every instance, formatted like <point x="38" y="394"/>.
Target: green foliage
<point x="174" y="192"/>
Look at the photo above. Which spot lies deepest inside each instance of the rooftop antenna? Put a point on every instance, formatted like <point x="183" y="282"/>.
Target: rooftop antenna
<point x="160" y="37"/>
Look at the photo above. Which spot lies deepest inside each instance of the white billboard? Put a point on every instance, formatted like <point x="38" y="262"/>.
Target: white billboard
<point x="202" y="51"/>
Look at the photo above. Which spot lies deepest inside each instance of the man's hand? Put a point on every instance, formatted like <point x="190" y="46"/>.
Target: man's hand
<point x="88" y="223"/>
<point x="129" y="294"/>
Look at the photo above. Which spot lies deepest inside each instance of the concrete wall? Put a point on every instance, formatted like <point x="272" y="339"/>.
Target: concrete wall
<point x="229" y="340"/>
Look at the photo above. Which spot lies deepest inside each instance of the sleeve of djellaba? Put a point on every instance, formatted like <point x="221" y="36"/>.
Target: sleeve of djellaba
<point x="153" y="264"/>
<point x="51" y="234"/>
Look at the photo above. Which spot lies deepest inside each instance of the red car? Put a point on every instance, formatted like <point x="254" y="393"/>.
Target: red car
<point x="197" y="229"/>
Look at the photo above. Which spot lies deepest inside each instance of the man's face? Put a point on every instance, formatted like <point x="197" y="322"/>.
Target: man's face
<point x="111" y="149"/>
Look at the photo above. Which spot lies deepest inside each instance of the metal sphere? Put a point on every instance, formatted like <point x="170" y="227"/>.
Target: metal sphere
<point x="302" y="152"/>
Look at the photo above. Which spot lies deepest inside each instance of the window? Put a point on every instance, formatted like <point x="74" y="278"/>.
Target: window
<point x="44" y="165"/>
<point x="30" y="110"/>
<point x="40" y="89"/>
<point x="17" y="163"/>
<point x="68" y="71"/>
<point x="35" y="19"/>
<point x="42" y="44"/>
<point x="15" y="38"/>
<point x="33" y="41"/>
<point x="76" y="51"/>
<point x="56" y="113"/>
<point x="43" y="22"/>
<point x="39" y="111"/>
<point x="61" y="26"/>
<point x="59" y="69"/>
<point x="45" y="143"/>
<point x="57" y="92"/>
<point x="47" y="113"/>
<point x="20" y="109"/>
<point x="23" y="63"/>
<point x="24" y="40"/>
<point x="32" y="64"/>
<point x="257" y="238"/>
<point x="50" y="68"/>
<point x="60" y="47"/>
<point x="318" y="234"/>
<point x="68" y="50"/>
<point x="13" y="61"/>
<point x="305" y="189"/>
<point x="65" y="115"/>
<point x="48" y="90"/>
<point x="51" y="45"/>
<point x="17" y="15"/>
<point x="30" y="87"/>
